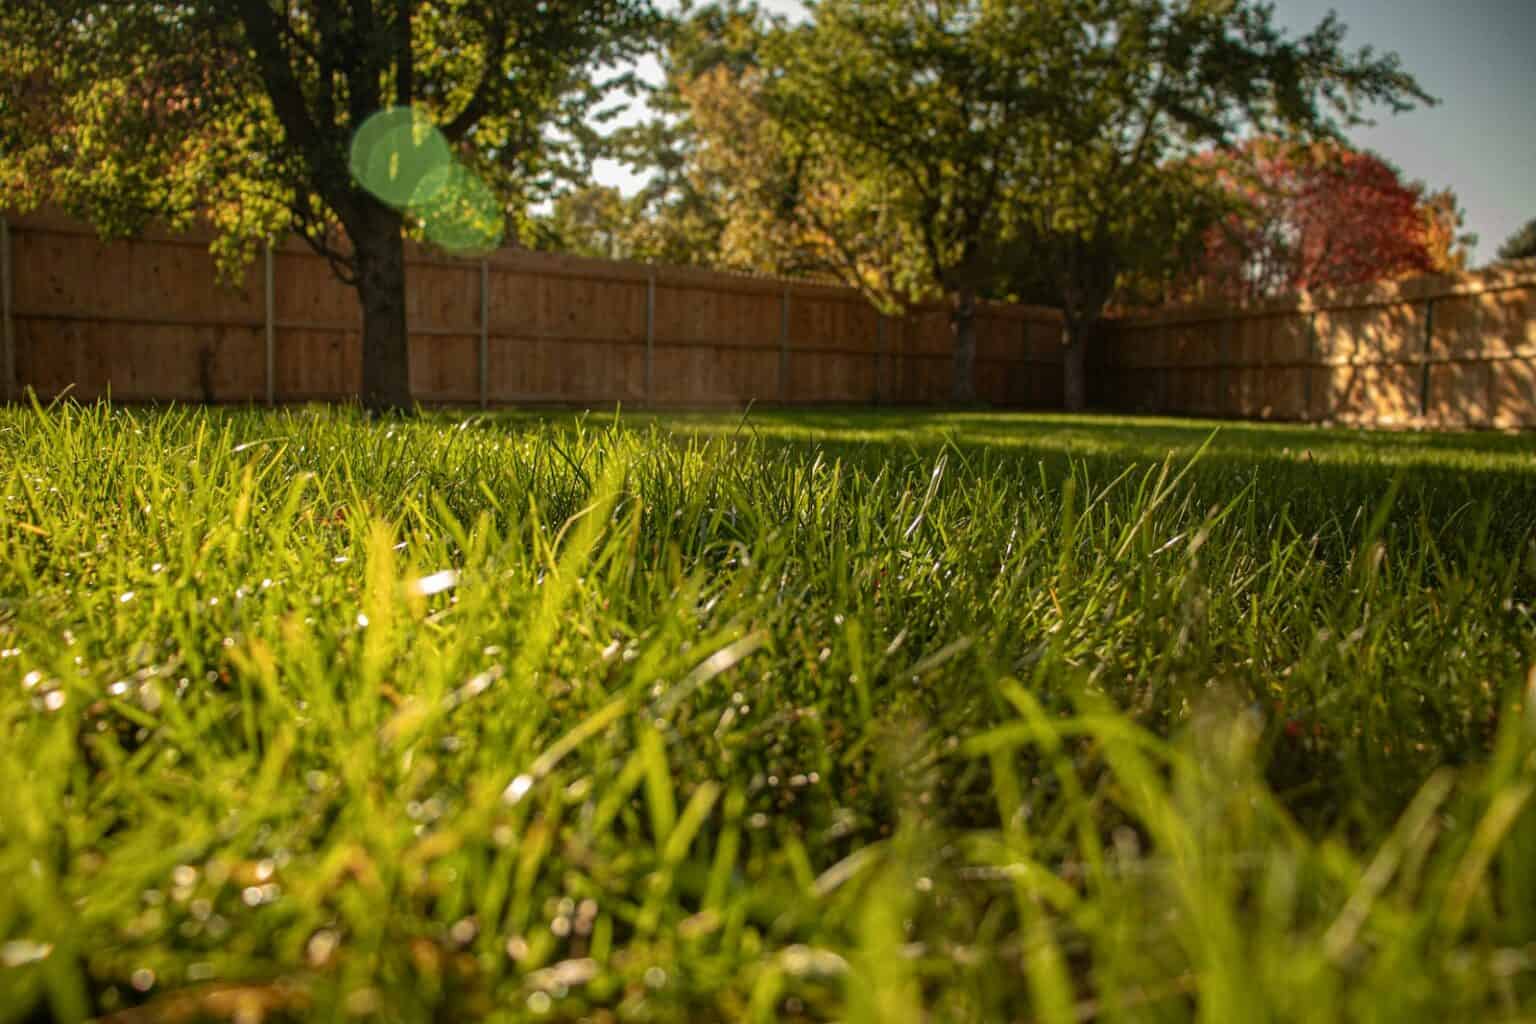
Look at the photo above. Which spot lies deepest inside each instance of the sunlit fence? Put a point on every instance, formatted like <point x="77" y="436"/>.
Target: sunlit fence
<point x="1434" y="351"/>
<point x="149" y="320"/>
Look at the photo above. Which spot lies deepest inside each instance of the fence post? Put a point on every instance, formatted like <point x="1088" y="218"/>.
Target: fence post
<point x="650" y="339"/>
<point x="269" y="293"/>
<point x="784" y="348"/>
<point x="7" y="316"/>
<point x="1429" y="342"/>
<point x="483" y="358"/>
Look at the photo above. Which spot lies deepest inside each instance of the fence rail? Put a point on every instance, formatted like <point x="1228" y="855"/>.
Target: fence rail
<point x="149" y="320"/>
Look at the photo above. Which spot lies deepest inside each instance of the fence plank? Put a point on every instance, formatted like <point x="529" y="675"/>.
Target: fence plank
<point x="880" y="360"/>
<point x="269" y="292"/>
<point x="650" y="340"/>
<point x="7" y="320"/>
<point x="784" y="347"/>
<point x="1428" y="348"/>
<point x="483" y="361"/>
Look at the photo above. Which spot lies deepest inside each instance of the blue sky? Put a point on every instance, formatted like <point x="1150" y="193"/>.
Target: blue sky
<point x="1478" y="57"/>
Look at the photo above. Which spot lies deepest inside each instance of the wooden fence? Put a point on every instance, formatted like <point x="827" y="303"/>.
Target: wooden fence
<point x="1444" y="352"/>
<point x="149" y="320"/>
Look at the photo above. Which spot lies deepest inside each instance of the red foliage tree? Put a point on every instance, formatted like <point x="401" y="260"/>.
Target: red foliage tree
<point x="1318" y="216"/>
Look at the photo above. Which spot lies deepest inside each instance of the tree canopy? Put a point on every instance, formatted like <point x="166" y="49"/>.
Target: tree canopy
<point x="596" y="221"/>
<point x="1521" y="245"/>
<point x="1319" y="215"/>
<point x="244" y="113"/>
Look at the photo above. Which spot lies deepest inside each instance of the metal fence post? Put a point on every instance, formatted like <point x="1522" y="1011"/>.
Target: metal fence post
<point x="270" y="300"/>
<point x="784" y="347"/>
<point x="650" y="339"/>
<point x="483" y="364"/>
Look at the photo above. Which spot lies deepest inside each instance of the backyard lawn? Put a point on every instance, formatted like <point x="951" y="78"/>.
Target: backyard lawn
<point x="840" y="715"/>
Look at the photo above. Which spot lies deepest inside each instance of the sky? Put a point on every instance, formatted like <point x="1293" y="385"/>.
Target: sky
<point x="1478" y="57"/>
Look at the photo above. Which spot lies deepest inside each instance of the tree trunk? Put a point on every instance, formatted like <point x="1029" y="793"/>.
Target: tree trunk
<point x="1074" y="365"/>
<point x="962" y="322"/>
<point x="380" y="257"/>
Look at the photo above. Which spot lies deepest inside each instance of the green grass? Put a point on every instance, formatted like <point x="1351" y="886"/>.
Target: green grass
<point x="869" y="717"/>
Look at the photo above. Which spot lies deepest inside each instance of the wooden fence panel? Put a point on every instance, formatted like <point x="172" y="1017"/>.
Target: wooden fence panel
<point x="152" y="320"/>
<point x="1512" y="393"/>
<point x="445" y="367"/>
<point x="308" y="296"/>
<point x="706" y="376"/>
<point x="1509" y="322"/>
<point x="98" y="319"/>
<point x="830" y="347"/>
<point x="1017" y="349"/>
<point x="1455" y="352"/>
<point x="317" y="364"/>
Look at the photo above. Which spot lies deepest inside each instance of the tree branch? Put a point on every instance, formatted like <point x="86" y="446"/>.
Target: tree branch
<point x="315" y="229"/>
<point x="490" y="74"/>
<point x="265" y="32"/>
<point x="405" y="61"/>
<point x="364" y="69"/>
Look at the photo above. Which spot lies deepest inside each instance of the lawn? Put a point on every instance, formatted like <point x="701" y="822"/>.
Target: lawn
<point x="861" y="716"/>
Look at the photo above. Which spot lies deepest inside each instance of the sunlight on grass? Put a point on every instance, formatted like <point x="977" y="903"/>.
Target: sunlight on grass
<point x="1129" y="436"/>
<point x="821" y="716"/>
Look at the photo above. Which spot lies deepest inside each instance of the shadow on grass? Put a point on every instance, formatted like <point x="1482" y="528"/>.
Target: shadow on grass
<point x="1467" y="488"/>
<point x="1135" y="437"/>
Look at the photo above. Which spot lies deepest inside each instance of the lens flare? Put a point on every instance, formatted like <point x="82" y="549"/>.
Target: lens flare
<point x="458" y="212"/>
<point x="394" y="151"/>
<point x="402" y="158"/>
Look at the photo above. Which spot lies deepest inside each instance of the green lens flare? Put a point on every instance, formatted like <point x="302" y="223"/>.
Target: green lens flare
<point x="401" y="157"/>
<point x="395" y="151"/>
<point x="458" y="212"/>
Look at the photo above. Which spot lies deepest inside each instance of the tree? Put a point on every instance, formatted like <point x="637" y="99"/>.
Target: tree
<point x="678" y="215"/>
<point x="1521" y="245"/>
<point x="245" y="113"/>
<point x="714" y="162"/>
<point x="1321" y="215"/>
<point x="902" y="122"/>
<point x="1021" y="146"/>
<point x="594" y="221"/>
<point x="793" y="207"/>
<point x="1449" y="246"/>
